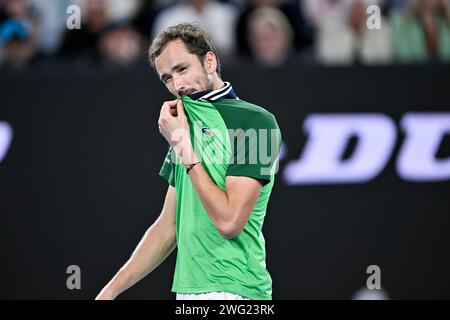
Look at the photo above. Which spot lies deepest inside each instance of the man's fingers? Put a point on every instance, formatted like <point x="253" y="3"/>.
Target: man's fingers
<point x="164" y="109"/>
<point x="168" y="105"/>
<point x="162" y="114"/>
<point x="172" y="107"/>
<point x="172" y="103"/>
<point x="167" y="110"/>
<point x="180" y="108"/>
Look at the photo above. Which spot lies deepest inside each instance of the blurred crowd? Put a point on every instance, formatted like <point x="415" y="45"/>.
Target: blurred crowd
<point x="117" y="33"/>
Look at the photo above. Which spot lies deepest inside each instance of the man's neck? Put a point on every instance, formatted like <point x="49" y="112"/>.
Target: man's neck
<point x="218" y="84"/>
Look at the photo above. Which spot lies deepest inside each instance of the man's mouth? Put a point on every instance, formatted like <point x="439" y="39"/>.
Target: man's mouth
<point x="186" y="93"/>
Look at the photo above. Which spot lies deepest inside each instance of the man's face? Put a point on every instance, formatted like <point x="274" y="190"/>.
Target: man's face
<point x="181" y="71"/>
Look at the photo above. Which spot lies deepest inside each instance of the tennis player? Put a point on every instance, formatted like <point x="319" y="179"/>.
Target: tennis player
<point x="220" y="170"/>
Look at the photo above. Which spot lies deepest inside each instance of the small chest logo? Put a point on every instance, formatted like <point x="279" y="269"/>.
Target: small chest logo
<point x="207" y="132"/>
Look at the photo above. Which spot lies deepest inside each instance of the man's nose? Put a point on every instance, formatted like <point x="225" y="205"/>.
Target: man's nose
<point x="178" y="84"/>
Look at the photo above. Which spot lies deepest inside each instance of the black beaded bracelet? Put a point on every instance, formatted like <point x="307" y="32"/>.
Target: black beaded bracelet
<point x="191" y="166"/>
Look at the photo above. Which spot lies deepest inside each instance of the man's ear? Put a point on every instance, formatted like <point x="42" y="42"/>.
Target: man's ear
<point x="210" y="62"/>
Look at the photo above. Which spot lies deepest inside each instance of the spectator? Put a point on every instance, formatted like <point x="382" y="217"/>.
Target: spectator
<point x="302" y="33"/>
<point x="21" y="10"/>
<point x="53" y="22"/>
<point x="318" y="11"/>
<point x="121" y="46"/>
<point x="144" y="18"/>
<point x="217" y="18"/>
<point x="17" y="49"/>
<point x="82" y="43"/>
<point x="120" y="10"/>
<point x="422" y="32"/>
<point x="19" y="31"/>
<point x="270" y="36"/>
<point x="342" y="33"/>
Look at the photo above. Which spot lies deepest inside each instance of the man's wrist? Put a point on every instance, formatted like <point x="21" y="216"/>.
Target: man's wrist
<point x="188" y="157"/>
<point x="191" y="166"/>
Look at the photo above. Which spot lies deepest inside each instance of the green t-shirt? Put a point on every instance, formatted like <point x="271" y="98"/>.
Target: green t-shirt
<point x="233" y="138"/>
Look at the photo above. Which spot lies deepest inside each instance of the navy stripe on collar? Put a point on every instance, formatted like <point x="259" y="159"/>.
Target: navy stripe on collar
<point x="226" y="92"/>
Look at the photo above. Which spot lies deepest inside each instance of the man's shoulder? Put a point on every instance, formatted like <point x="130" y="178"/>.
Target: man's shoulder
<point x="246" y="112"/>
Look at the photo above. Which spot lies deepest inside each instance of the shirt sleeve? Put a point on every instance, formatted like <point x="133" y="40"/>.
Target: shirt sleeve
<point x="256" y="148"/>
<point x="168" y="168"/>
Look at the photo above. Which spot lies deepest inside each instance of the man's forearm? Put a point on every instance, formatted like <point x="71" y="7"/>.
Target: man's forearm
<point x="214" y="199"/>
<point x="157" y="243"/>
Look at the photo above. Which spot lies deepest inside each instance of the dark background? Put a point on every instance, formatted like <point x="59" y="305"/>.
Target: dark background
<point x="80" y="185"/>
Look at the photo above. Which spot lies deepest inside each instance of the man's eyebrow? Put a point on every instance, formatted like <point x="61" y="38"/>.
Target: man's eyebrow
<point x="175" y="68"/>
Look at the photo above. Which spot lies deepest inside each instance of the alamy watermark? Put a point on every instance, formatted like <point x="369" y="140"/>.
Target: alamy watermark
<point x="74" y="280"/>
<point x="374" y="280"/>
<point x="373" y="22"/>
<point x="73" y="21"/>
<point x="235" y="146"/>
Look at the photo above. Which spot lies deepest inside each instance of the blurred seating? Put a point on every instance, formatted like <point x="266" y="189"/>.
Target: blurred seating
<point x="343" y="36"/>
<point x="269" y="33"/>
<point x="421" y="32"/>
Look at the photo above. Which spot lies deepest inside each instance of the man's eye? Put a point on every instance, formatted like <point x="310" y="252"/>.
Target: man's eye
<point x="183" y="69"/>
